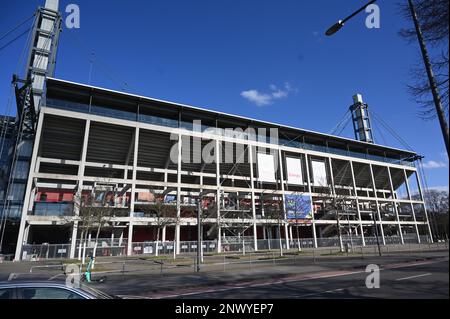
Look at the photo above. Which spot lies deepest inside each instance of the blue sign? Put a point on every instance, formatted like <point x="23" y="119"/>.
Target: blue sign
<point x="298" y="206"/>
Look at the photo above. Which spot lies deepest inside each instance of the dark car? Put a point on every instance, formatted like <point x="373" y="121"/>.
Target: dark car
<point x="48" y="290"/>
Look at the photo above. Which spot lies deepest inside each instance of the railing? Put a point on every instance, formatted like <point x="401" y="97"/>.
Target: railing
<point x="117" y="247"/>
<point x="108" y="112"/>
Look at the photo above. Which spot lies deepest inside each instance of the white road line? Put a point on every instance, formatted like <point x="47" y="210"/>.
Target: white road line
<point x="323" y="292"/>
<point x="11" y="276"/>
<point x="289" y="280"/>
<point x="411" y="277"/>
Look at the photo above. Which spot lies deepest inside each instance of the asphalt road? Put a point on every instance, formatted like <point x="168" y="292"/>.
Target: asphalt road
<point x="427" y="279"/>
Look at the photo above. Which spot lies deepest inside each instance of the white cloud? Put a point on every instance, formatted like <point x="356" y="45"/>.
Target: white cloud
<point x="261" y="98"/>
<point x="433" y="164"/>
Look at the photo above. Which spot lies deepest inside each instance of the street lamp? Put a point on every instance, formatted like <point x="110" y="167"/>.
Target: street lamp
<point x="338" y="25"/>
<point x="426" y="60"/>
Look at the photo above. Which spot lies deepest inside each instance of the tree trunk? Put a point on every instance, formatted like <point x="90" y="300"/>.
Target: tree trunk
<point x="84" y="245"/>
<point x="80" y="245"/>
<point x="279" y="238"/>
<point x="157" y="241"/>
<point x="96" y="243"/>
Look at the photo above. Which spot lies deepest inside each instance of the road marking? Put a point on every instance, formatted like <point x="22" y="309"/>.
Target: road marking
<point x="12" y="276"/>
<point x="323" y="292"/>
<point x="411" y="277"/>
<point x="305" y="277"/>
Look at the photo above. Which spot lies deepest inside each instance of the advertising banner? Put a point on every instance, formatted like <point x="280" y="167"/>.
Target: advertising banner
<point x="266" y="168"/>
<point x="294" y="171"/>
<point x="319" y="173"/>
<point x="298" y="206"/>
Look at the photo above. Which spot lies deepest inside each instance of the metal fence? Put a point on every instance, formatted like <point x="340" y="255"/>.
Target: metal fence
<point x="45" y="251"/>
<point x="116" y="247"/>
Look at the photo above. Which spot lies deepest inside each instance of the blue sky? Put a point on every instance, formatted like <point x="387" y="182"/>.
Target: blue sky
<point x="264" y="59"/>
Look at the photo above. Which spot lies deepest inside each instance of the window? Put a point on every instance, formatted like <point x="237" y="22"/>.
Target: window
<point x="6" y="293"/>
<point x="49" y="293"/>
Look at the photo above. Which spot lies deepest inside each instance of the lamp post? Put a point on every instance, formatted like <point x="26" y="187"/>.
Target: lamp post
<point x="426" y="60"/>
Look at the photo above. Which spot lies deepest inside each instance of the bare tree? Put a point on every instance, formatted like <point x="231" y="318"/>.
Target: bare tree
<point x="276" y="211"/>
<point x="438" y="211"/>
<point x="164" y="214"/>
<point x="337" y="204"/>
<point x="433" y="19"/>
<point x="95" y="209"/>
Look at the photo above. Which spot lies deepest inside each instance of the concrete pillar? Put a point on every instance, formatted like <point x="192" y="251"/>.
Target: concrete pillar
<point x="73" y="240"/>
<point x="280" y="163"/>
<point x="313" y="223"/>
<point x="163" y="234"/>
<point x="419" y="184"/>
<point x="28" y="197"/>
<point x="378" y="206"/>
<point x="133" y="193"/>
<point x="412" y="206"/>
<point x="357" y="204"/>
<point x="252" y="182"/>
<point x="177" y="226"/>
<point x="217" y="160"/>
<point x="121" y="237"/>
<point x="394" y="202"/>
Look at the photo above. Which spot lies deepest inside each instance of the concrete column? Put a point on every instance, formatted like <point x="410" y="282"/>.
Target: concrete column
<point x="378" y="206"/>
<point x="177" y="226"/>
<point x="28" y="194"/>
<point x="252" y="181"/>
<point x="419" y="184"/>
<point x="73" y="240"/>
<point x="357" y="204"/>
<point x="412" y="206"/>
<point x="394" y="201"/>
<point x="163" y="234"/>
<point x="312" y="208"/>
<point x="286" y="233"/>
<point x="133" y="191"/>
<point x="217" y="160"/>
<point x="341" y="244"/>
<point x="121" y="237"/>
<point x="80" y="187"/>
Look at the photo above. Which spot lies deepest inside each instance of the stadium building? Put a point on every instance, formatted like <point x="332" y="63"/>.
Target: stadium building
<point x="81" y="162"/>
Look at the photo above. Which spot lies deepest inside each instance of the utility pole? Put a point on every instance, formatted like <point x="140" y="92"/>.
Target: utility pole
<point x="431" y="79"/>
